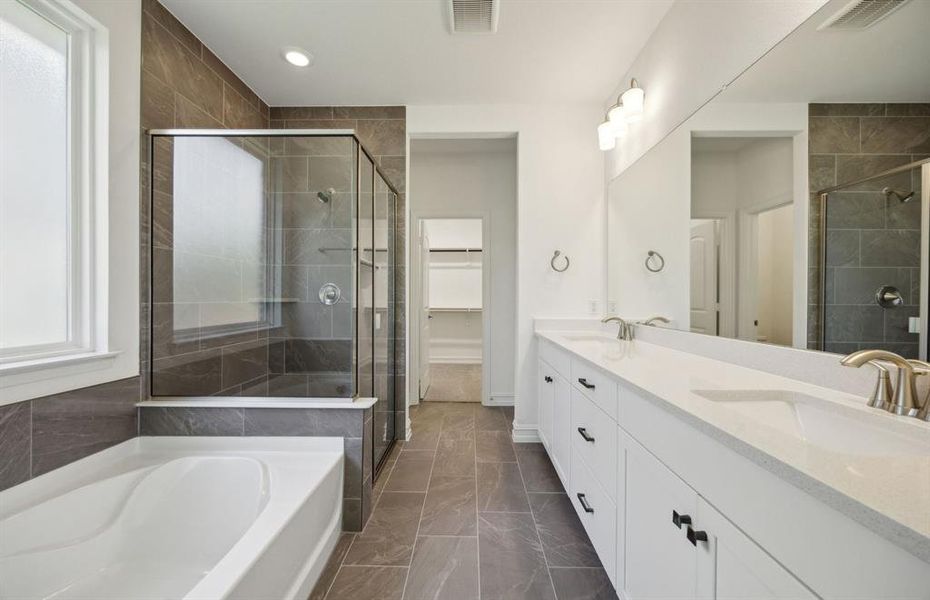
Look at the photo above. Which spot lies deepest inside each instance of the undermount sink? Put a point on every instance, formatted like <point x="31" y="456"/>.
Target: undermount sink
<point x="592" y="342"/>
<point x="832" y="427"/>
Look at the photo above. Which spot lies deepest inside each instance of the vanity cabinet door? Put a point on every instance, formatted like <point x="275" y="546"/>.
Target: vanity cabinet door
<point x="732" y="567"/>
<point x="562" y="428"/>
<point x="660" y="562"/>
<point x="546" y="395"/>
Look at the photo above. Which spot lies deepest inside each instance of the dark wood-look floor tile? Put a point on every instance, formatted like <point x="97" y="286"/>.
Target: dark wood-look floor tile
<point x="455" y="458"/>
<point x="495" y="446"/>
<point x="411" y="472"/>
<point x="368" y="583"/>
<point x="332" y="567"/>
<point x="582" y="584"/>
<point x="512" y="563"/>
<point x="564" y="539"/>
<point x="538" y="473"/>
<point x="451" y="507"/>
<point x="500" y="488"/>
<point x="390" y="533"/>
<point x="443" y="568"/>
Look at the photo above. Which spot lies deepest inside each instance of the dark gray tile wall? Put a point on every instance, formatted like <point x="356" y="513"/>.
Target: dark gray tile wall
<point x="185" y="85"/>
<point x="46" y="433"/>
<point x="871" y="240"/>
<point x="383" y="130"/>
<point x="354" y="425"/>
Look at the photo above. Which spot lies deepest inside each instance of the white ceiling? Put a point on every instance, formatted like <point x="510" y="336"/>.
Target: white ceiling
<point x="888" y="62"/>
<point x="382" y="52"/>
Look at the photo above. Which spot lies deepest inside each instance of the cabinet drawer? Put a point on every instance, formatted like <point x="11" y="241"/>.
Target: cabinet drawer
<point x="558" y="359"/>
<point x="594" y="437"/>
<point x="597" y="512"/>
<point x="596" y="385"/>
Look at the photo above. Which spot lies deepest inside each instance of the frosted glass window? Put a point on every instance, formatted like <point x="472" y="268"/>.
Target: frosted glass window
<point x="35" y="203"/>
<point x="219" y="260"/>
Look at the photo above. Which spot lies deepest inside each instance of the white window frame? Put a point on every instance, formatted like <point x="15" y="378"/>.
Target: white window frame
<point x="103" y="286"/>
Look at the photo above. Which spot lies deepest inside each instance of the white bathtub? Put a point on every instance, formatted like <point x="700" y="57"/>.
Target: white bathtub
<point x="176" y="517"/>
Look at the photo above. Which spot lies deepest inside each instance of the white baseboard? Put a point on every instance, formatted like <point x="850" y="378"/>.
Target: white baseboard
<point x="500" y="400"/>
<point x="525" y="434"/>
<point x="454" y="360"/>
<point x="409" y="433"/>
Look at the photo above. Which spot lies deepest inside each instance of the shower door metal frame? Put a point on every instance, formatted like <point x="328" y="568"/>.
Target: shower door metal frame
<point x="823" y="195"/>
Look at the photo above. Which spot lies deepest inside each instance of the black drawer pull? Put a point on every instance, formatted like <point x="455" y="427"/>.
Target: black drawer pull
<point x="584" y="503"/>
<point x="585" y="383"/>
<point x="584" y="434"/>
<point x="548" y="379"/>
<point x="696" y="536"/>
<point x="680" y="520"/>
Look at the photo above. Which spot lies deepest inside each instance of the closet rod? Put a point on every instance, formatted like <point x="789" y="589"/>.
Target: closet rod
<point x="455" y="249"/>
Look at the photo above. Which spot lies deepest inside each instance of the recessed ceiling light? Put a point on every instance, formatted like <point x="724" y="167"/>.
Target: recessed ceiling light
<point x="297" y="56"/>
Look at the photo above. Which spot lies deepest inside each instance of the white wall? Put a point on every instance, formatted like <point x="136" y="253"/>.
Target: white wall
<point x="649" y="207"/>
<point x="468" y="178"/>
<point x="775" y="280"/>
<point x="698" y="48"/>
<point x="560" y="206"/>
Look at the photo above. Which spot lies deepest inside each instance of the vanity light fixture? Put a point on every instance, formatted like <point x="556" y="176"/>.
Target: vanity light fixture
<point x="628" y="109"/>
<point x="617" y="118"/>
<point x="606" y="139"/>
<point x="296" y="56"/>
<point x="632" y="100"/>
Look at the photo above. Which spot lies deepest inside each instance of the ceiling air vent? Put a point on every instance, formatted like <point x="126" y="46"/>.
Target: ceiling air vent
<point x="860" y="14"/>
<point x="474" y="16"/>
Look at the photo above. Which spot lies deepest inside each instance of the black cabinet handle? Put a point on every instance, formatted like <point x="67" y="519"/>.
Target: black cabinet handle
<point x="585" y="383"/>
<point x="696" y="536"/>
<point x="680" y="520"/>
<point x="548" y="379"/>
<point x="584" y="434"/>
<point x="584" y="503"/>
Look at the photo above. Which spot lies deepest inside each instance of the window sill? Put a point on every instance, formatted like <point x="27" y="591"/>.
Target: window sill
<point x="93" y="360"/>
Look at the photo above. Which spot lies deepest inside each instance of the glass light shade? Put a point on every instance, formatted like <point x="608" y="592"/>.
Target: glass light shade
<point x="606" y="140"/>
<point x="633" y="104"/>
<point x="617" y="118"/>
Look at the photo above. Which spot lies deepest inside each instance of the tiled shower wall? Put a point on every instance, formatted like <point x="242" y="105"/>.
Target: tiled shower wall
<point x="383" y="131"/>
<point x="871" y="240"/>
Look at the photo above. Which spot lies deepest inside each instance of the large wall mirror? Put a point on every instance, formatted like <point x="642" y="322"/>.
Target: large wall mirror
<point x="792" y="209"/>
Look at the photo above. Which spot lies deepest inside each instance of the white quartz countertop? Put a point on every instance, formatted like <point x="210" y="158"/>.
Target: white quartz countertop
<point x="887" y="491"/>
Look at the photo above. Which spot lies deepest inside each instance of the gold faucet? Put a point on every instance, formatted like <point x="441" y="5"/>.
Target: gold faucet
<point x="903" y="401"/>
<point x="626" y="329"/>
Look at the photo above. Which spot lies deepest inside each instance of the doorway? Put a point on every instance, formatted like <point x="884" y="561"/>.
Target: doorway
<point x="451" y="320"/>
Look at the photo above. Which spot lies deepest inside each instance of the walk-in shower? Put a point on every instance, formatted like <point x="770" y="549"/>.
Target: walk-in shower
<point x="272" y="268"/>
<point x="871" y="270"/>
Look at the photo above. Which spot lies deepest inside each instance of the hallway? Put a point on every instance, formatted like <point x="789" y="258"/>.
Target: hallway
<point x="463" y="513"/>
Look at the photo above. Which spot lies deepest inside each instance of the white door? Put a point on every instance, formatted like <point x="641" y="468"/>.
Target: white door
<point x="732" y="567"/>
<point x="660" y="561"/>
<point x="704" y="263"/>
<point x="424" y="318"/>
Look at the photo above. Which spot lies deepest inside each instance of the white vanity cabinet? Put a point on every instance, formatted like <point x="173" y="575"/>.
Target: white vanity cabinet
<point x="641" y="476"/>
<point x="678" y="546"/>
<point x="555" y="397"/>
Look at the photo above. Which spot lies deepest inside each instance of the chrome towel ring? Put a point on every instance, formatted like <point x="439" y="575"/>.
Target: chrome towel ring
<point x="651" y="258"/>
<point x="555" y="257"/>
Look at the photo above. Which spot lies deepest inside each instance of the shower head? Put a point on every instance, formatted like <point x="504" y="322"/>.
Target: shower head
<point x="326" y="196"/>
<point x="901" y="196"/>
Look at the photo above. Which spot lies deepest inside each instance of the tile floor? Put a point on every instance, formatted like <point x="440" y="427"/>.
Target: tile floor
<point x="463" y="513"/>
<point x="454" y="383"/>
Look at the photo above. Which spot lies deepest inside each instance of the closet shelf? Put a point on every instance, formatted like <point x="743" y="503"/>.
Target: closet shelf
<point x="456" y="309"/>
<point x="455" y="250"/>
